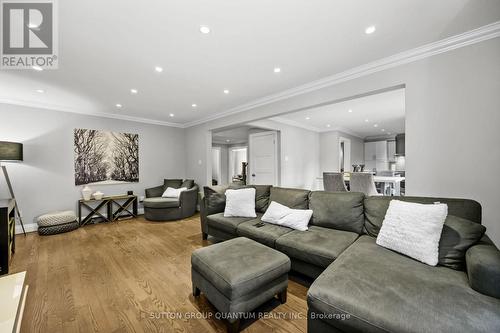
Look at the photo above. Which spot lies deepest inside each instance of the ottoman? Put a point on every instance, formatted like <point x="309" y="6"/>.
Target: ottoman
<point x="238" y="275"/>
<point x="57" y="222"/>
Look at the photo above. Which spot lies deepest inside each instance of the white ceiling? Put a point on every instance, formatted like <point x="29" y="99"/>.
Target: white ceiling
<point x="109" y="47"/>
<point x="371" y="116"/>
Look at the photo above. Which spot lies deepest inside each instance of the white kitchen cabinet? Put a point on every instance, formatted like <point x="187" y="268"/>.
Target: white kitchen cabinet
<point x="391" y="151"/>
<point x="370" y="151"/>
<point x="376" y="155"/>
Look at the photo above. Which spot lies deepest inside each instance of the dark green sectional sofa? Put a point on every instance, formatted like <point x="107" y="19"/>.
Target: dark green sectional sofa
<point x="360" y="286"/>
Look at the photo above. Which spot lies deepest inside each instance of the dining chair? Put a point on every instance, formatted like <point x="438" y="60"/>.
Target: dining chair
<point x="386" y="188"/>
<point x="334" y="182"/>
<point x="363" y="182"/>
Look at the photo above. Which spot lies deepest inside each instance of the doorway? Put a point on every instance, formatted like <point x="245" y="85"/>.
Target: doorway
<point x="238" y="158"/>
<point x="216" y="166"/>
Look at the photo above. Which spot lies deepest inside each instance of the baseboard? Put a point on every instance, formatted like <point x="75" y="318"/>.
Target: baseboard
<point x="33" y="227"/>
<point x="30" y="227"/>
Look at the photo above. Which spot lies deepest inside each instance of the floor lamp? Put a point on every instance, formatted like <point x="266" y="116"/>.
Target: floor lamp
<point x="11" y="152"/>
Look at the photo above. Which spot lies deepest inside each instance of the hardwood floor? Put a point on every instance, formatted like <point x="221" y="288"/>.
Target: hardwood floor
<point x="130" y="276"/>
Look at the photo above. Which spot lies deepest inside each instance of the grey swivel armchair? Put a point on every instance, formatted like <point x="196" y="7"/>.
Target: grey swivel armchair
<point x="334" y="182"/>
<point x="363" y="182"/>
<point x="157" y="208"/>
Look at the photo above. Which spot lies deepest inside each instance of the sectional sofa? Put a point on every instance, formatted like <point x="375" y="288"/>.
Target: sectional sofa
<point x="360" y="286"/>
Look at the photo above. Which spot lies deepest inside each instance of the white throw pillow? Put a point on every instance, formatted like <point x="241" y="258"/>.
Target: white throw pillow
<point x="240" y="203"/>
<point x="279" y="214"/>
<point x="298" y="219"/>
<point x="413" y="229"/>
<point x="171" y="192"/>
<point x="275" y="212"/>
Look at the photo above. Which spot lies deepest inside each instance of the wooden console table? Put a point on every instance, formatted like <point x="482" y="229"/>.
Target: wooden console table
<point x="118" y="206"/>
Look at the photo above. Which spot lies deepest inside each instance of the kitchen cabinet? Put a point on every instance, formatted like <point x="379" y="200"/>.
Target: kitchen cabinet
<point x="391" y="151"/>
<point x="376" y="155"/>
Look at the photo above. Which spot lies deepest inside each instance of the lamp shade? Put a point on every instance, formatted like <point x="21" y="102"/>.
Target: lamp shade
<point x="11" y="151"/>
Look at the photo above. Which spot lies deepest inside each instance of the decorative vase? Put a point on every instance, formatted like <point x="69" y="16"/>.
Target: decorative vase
<point x="98" y="195"/>
<point x="87" y="193"/>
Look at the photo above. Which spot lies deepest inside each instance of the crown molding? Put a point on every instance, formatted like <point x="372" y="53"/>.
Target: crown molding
<point x="345" y="131"/>
<point x="428" y="50"/>
<point x="295" y="123"/>
<point x="60" y="108"/>
<point x="448" y="44"/>
<point x="314" y="128"/>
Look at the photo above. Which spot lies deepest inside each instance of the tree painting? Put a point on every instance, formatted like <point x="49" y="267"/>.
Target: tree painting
<point x="105" y="157"/>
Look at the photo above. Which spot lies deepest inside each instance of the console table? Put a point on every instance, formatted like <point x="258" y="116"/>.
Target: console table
<point x="116" y="207"/>
<point x="13" y="293"/>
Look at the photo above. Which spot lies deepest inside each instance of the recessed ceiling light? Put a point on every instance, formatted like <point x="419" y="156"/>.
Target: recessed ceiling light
<point x="350" y="111"/>
<point x="119" y="106"/>
<point x="366" y="120"/>
<point x="226" y="91"/>
<point x="328" y="125"/>
<point x="134" y="91"/>
<point x="41" y="91"/>
<point x="375" y="125"/>
<point x="228" y="140"/>
<point x="307" y="118"/>
<point x="204" y="29"/>
<point x="383" y="130"/>
<point x="37" y="68"/>
<point x="369" y="30"/>
<point x="194" y="105"/>
<point x="158" y="69"/>
<point x="171" y="115"/>
<point x="277" y="69"/>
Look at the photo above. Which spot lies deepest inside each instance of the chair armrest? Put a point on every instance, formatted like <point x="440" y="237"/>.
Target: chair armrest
<point x="154" y="192"/>
<point x="189" y="196"/>
<point x="483" y="268"/>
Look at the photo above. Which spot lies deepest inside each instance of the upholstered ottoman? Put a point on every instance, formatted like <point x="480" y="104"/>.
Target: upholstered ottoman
<point x="57" y="222"/>
<point x="238" y="275"/>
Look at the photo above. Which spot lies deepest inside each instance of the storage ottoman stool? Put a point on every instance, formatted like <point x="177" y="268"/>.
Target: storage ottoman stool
<point x="238" y="275"/>
<point x="57" y="222"/>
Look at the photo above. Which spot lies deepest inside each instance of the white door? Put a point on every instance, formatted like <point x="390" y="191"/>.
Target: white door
<point x="263" y="163"/>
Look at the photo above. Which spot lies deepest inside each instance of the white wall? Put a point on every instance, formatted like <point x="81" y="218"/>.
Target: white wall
<point x="452" y="115"/>
<point x="299" y="154"/>
<point x="45" y="181"/>
<point x="329" y="151"/>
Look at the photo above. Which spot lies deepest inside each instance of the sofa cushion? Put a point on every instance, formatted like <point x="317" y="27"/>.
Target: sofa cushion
<point x="262" y="193"/>
<point x="262" y="197"/>
<point x="458" y="235"/>
<point x="338" y="210"/>
<point x="175" y="183"/>
<point x="290" y="197"/>
<point x="239" y="266"/>
<point x="375" y="208"/>
<point x="188" y="183"/>
<point x="267" y="234"/>
<point x="318" y="246"/>
<point x="215" y="199"/>
<point x="385" y="291"/>
<point x="161" y="202"/>
<point x="227" y="224"/>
